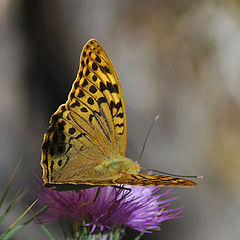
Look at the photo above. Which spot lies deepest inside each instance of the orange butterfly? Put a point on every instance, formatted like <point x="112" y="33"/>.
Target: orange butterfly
<point x="86" y="140"/>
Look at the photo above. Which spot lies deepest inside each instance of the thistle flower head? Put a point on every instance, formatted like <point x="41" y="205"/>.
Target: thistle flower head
<point x="137" y="207"/>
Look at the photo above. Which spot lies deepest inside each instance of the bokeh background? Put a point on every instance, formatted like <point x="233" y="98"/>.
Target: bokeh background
<point x="179" y="59"/>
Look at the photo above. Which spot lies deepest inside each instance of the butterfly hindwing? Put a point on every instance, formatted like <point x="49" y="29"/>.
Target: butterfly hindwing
<point x="146" y="180"/>
<point x="153" y="180"/>
<point x="63" y="143"/>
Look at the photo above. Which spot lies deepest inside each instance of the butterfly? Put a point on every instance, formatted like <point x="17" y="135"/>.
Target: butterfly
<point x="85" y="143"/>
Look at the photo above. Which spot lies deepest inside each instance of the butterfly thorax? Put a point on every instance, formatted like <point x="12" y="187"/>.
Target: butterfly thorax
<point x="117" y="166"/>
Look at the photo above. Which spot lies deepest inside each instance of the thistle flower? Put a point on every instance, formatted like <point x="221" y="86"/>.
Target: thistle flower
<point x="141" y="208"/>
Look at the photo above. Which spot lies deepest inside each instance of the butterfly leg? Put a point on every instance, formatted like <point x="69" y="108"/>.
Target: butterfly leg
<point x="125" y="195"/>
<point x="119" y="200"/>
<point x="94" y="200"/>
<point x="79" y="195"/>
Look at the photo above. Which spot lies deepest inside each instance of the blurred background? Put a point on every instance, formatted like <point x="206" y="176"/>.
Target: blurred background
<point x="179" y="59"/>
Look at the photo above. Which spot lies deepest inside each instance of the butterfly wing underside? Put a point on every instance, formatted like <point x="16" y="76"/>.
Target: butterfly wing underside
<point x="91" y="128"/>
<point x="91" y="125"/>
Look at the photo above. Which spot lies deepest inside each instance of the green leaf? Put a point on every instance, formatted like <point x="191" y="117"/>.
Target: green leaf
<point x="117" y="234"/>
<point x="63" y="230"/>
<point x="139" y="236"/>
<point x="50" y="236"/>
<point x="84" y="230"/>
<point x="16" y="199"/>
<point x="22" y="215"/>
<point x="9" y="233"/>
<point x="10" y="183"/>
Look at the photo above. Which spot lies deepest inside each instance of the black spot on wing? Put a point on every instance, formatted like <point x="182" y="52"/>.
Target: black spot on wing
<point x="80" y="135"/>
<point x="104" y="69"/>
<point x="90" y="101"/>
<point x="55" y="137"/>
<point x="76" y="104"/>
<point x="51" y="166"/>
<point x="81" y="94"/>
<point x="71" y="131"/>
<point x="63" y="108"/>
<point x="110" y="87"/>
<point x="119" y="125"/>
<point x="82" y="63"/>
<point x="115" y="88"/>
<point x="83" y="109"/>
<point x="98" y="59"/>
<point x="55" y="117"/>
<point x="116" y="106"/>
<point x="81" y="74"/>
<point x="85" y="83"/>
<point x="61" y="125"/>
<point x="76" y="85"/>
<point x="102" y="100"/>
<point x="93" y="89"/>
<point x="120" y="115"/>
<point x="87" y="72"/>
<point x="90" y="118"/>
<point x="94" y="66"/>
<point x="102" y="87"/>
<point x="60" y="162"/>
<point x="94" y="78"/>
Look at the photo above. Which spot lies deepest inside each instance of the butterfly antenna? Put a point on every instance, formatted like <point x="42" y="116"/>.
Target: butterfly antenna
<point x="147" y="135"/>
<point x="174" y="175"/>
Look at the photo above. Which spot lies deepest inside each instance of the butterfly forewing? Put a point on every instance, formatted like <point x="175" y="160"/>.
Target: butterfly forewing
<point x="100" y="80"/>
